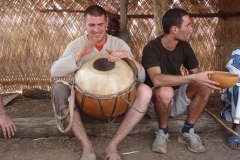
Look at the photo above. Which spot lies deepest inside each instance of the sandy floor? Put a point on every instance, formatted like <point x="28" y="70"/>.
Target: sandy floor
<point x="134" y="147"/>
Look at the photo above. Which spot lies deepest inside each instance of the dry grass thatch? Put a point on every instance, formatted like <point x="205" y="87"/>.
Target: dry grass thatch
<point x="31" y="40"/>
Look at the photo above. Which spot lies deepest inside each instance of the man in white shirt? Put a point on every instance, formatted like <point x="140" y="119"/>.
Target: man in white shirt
<point x="78" y="51"/>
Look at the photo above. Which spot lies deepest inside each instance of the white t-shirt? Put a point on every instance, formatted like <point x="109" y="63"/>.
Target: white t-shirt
<point x="66" y="65"/>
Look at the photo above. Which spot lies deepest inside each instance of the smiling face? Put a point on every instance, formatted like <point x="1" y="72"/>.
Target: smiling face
<point x="113" y="27"/>
<point x="96" y="27"/>
<point x="184" y="31"/>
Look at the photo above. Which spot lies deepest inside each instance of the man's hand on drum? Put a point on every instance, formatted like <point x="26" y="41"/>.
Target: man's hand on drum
<point x="7" y="125"/>
<point x="87" y="47"/>
<point x="116" y="55"/>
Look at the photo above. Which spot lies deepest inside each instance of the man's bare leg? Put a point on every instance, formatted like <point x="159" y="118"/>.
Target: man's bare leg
<point x="79" y="132"/>
<point x="132" y="117"/>
<point x="162" y="97"/>
<point x="199" y="96"/>
<point x="61" y="92"/>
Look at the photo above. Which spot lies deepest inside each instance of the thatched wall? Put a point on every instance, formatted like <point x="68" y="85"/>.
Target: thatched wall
<point x="32" y="37"/>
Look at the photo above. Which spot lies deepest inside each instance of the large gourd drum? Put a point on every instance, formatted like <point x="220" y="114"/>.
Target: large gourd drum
<point x="105" y="89"/>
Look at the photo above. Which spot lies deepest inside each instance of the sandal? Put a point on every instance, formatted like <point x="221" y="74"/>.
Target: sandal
<point x="115" y="156"/>
<point x="234" y="142"/>
<point x="88" y="157"/>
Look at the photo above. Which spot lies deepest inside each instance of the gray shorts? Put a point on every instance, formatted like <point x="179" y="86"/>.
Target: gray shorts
<point x="60" y="93"/>
<point x="179" y="103"/>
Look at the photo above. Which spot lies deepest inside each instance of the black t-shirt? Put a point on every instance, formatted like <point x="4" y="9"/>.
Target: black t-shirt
<point x="154" y="54"/>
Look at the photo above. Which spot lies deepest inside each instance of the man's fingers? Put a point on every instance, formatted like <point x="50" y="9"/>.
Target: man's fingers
<point x="9" y="132"/>
<point x="4" y="131"/>
<point x="12" y="129"/>
<point x="92" y="39"/>
<point x="213" y="86"/>
<point x="109" y="51"/>
<point x="213" y="82"/>
<point x="14" y="126"/>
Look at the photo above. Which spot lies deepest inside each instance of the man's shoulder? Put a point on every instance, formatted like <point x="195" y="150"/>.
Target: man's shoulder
<point x="79" y="39"/>
<point x="75" y="45"/>
<point x="185" y="47"/>
<point x="153" y="43"/>
<point x="117" y="43"/>
<point x="114" y="39"/>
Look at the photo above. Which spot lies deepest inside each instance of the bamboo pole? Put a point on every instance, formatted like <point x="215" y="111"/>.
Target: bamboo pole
<point x="123" y="14"/>
<point x="158" y="12"/>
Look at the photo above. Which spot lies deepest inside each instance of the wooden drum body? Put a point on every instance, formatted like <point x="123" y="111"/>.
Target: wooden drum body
<point x="105" y="89"/>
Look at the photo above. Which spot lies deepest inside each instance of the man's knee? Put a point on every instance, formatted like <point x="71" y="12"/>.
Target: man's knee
<point x="195" y="89"/>
<point x="204" y="91"/>
<point x="61" y="91"/>
<point x="144" y="92"/>
<point x="143" y="97"/>
<point x="58" y="87"/>
<point x="163" y="94"/>
<point x="60" y="94"/>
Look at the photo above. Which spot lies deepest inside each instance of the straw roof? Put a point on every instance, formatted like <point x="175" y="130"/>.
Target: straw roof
<point x="33" y="34"/>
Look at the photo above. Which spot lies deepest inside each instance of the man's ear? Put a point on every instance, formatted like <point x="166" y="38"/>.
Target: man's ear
<point x="84" y="24"/>
<point x="107" y="23"/>
<point x="174" y="29"/>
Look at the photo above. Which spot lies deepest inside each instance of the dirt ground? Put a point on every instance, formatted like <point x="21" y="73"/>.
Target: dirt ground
<point x="134" y="147"/>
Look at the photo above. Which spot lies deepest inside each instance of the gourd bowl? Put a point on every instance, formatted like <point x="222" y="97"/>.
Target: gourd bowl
<point x="225" y="79"/>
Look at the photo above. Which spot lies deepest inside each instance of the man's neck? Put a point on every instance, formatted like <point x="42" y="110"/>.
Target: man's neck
<point x="168" y="42"/>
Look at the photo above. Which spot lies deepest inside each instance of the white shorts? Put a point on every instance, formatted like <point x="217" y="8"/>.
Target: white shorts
<point x="179" y="103"/>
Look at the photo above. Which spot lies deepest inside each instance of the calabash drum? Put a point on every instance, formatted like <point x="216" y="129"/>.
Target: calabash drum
<point x="105" y="89"/>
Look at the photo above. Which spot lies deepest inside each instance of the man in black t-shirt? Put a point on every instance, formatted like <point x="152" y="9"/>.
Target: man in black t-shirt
<point x="174" y="94"/>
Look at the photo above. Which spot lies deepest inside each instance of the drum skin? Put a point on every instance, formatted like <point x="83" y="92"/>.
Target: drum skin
<point x="105" y="93"/>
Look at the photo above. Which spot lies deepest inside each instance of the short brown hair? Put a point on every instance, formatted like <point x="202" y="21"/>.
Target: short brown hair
<point x="173" y="17"/>
<point x="96" y="11"/>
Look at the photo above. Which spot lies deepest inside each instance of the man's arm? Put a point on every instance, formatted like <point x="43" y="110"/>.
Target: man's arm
<point x="7" y="125"/>
<point x="141" y="70"/>
<point x="116" y="55"/>
<point x="70" y="61"/>
<point x="159" y="79"/>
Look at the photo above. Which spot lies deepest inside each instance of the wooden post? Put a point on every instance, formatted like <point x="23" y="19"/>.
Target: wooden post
<point x="159" y="7"/>
<point x="123" y="14"/>
<point x="219" y="46"/>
